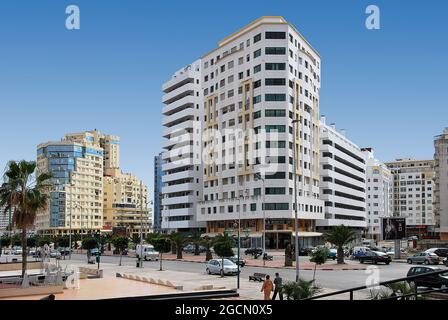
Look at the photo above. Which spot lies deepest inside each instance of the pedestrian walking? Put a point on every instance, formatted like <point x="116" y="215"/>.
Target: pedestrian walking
<point x="267" y="288"/>
<point x="278" y="287"/>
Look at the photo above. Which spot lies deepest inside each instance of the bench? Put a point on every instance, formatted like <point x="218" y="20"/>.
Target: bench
<point x="257" y="277"/>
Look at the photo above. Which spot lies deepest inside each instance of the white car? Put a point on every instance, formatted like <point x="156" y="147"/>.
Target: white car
<point x="214" y="267"/>
<point x="17" y="251"/>
<point x="147" y="252"/>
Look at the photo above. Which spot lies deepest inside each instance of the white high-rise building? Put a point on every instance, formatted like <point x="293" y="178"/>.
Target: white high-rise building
<point x="441" y="184"/>
<point x="413" y="194"/>
<point x="182" y="168"/>
<point x="343" y="180"/>
<point x="254" y="84"/>
<point x="379" y="194"/>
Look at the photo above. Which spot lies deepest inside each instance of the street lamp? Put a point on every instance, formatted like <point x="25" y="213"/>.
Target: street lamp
<point x="296" y="220"/>
<point x="239" y="242"/>
<point x="259" y="177"/>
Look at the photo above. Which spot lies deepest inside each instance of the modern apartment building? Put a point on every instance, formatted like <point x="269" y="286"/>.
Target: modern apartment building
<point x="253" y="85"/>
<point x="441" y="184"/>
<point x="4" y="220"/>
<point x="158" y="173"/>
<point x="125" y="204"/>
<point x="343" y="180"/>
<point x="379" y="194"/>
<point x="181" y="160"/>
<point x="89" y="192"/>
<point x="413" y="194"/>
<point x="76" y="165"/>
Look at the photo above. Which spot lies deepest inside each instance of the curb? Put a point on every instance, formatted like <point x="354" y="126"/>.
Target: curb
<point x="150" y="280"/>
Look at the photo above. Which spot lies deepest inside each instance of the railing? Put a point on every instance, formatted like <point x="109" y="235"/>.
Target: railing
<point x="416" y="293"/>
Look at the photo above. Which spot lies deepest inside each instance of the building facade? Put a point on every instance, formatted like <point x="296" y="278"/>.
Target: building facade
<point x="343" y="181"/>
<point x="158" y="173"/>
<point x="81" y="165"/>
<point x="413" y="194"/>
<point x="4" y="220"/>
<point x="260" y="106"/>
<point x="182" y="166"/>
<point x="441" y="184"/>
<point x="379" y="194"/>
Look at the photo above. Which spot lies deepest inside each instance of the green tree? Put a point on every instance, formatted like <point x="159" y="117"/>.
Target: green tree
<point x="89" y="244"/>
<point x="300" y="290"/>
<point x="318" y="257"/>
<point x="16" y="240"/>
<point x="24" y="191"/>
<point x="162" y="245"/>
<point x="120" y="244"/>
<point x="340" y="236"/>
<point x="196" y="239"/>
<point x="208" y="244"/>
<point x="179" y="240"/>
<point x="135" y="239"/>
<point x="397" y="289"/>
<point x="4" y="242"/>
<point x="43" y="240"/>
<point x="32" y="241"/>
<point x="223" y="248"/>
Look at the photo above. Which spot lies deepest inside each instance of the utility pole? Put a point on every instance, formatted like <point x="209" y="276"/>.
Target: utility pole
<point x="141" y="225"/>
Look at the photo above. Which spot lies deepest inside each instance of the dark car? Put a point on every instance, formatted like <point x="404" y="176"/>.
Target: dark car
<point x="191" y="247"/>
<point x="234" y="259"/>
<point x="253" y="251"/>
<point x="305" y="251"/>
<point x="375" y="257"/>
<point x="432" y="281"/>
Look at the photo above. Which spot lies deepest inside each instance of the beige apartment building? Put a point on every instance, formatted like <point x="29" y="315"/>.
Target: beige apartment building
<point x="84" y="166"/>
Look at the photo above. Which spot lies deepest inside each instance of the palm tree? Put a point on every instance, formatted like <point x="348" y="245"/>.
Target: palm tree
<point x="23" y="191"/>
<point x="300" y="290"/>
<point x="208" y="244"/>
<point x="179" y="240"/>
<point x="196" y="239"/>
<point x="340" y="236"/>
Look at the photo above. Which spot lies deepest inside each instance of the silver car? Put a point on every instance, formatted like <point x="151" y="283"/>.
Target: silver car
<point x="214" y="267"/>
<point x="424" y="257"/>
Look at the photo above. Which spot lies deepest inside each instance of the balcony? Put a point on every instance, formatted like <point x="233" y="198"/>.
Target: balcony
<point x="178" y="188"/>
<point x="186" y="114"/>
<point x="178" y="175"/>
<point x="181" y="103"/>
<point x="185" y="90"/>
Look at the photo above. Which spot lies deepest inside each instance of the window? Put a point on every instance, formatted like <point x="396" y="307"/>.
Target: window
<point x="240" y="75"/>
<point x="257" y="38"/>
<point x="275" y="97"/>
<point x="275" y="35"/>
<point x="278" y="128"/>
<point x="257" y="99"/>
<point x="253" y="207"/>
<point x="257" y="68"/>
<point x="275" y="113"/>
<point x="275" y="50"/>
<point x="257" y="53"/>
<point x="276" y="206"/>
<point x="257" y="114"/>
<point x="275" y="81"/>
<point x="275" y="66"/>
<point x="275" y="190"/>
<point x="257" y="84"/>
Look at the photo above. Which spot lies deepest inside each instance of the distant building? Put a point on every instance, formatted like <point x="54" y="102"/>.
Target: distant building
<point x="379" y="200"/>
<point x="4" y="221"/>
<point x="158" y="173"/>
<point x="86" y="179"/>
<point x="343" y="181"/>
<point x="441" y="184"/>
<point x="413" y="194"/>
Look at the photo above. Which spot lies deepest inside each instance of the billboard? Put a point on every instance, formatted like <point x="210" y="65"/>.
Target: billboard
<point x="394" y="228"/>
<point x="119" y="231"/>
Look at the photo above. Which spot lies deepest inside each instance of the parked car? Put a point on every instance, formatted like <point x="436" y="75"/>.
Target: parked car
<point x="64" y="251"/>
<point x="234" y="259"/>
<point x="191" y="247"/>
<point x="147" y="252"/>
<point x="375" y="257"/>
<point x="332" y="254"/>
<point x="424" y="257"/>
<point x="432" y="281"/>
<point x="55" y="254"/>
<point x="214" y="267"/>
<point x="359" y="252"/>
<point x="16" y="250"/>
<point x="441" y="252"/>
<point x="253" y="251"/>
<point x="305" y="251"/>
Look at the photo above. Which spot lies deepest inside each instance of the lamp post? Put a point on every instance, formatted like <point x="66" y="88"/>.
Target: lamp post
<point x="239" y="243"/>
<point x="296" y="209"/>
<point x="259" y="177"/>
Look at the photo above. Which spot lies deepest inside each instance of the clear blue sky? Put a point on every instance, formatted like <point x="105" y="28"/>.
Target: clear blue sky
<point x="388" y="88"/>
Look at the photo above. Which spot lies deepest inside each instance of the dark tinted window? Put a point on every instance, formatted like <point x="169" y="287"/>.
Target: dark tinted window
<point x="275" y="35"/>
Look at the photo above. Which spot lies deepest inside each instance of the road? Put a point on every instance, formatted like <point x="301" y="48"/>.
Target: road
<point x="335" y="280"/>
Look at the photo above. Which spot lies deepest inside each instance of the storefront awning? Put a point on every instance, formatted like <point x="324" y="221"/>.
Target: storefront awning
<point x="306" y="234"/>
